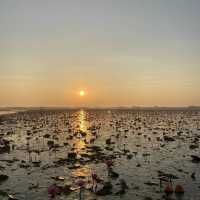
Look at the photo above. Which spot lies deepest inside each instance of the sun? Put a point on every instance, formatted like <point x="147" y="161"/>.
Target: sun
<point x="82" y="93"/>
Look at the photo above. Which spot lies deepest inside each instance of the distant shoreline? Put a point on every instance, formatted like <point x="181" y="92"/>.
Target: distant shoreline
<point x="12" y="110"/>
<point x="6" y="112"/>
<point x="9" y="111"/>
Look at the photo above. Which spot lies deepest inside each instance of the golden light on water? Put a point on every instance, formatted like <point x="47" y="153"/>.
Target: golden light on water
<point x="82" y="116"/>
<point x="80" y="143"/>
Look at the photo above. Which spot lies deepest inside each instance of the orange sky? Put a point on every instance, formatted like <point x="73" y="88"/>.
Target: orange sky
<point x="122" y="53"/>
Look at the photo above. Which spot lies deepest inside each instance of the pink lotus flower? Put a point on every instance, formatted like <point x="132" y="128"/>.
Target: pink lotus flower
<point x="53" y="190"/>
<point x="94" y="176"/>
<point x="2" y="142"/>
<point x="80" y="183"/>
<point x="109" y="163"/>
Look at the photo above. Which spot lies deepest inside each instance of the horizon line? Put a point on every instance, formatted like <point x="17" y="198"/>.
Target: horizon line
<point x="98" y="107"/>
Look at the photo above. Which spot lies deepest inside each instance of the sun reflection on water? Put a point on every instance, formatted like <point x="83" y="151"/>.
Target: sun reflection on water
<point x="81" y="142"/>
<point x="82" y="120"/>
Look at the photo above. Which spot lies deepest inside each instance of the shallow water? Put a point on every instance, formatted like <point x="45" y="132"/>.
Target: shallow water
<point x="138" y="133"/>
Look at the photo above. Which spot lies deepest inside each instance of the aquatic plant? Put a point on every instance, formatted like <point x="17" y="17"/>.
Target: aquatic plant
<point x="81" y="184"/>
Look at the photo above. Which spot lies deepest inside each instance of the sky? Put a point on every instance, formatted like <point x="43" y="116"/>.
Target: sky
<point x="121" y="53"/>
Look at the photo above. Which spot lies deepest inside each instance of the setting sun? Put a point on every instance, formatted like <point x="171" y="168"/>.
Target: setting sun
<point x="82" y="93"/>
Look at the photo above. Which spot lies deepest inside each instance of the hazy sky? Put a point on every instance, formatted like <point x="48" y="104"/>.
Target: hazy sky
<point x="121" y="52"/>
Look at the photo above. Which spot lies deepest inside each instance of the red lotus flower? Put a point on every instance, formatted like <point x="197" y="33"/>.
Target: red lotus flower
<point x="169" y="189"/>
<point x="179" y="189"/>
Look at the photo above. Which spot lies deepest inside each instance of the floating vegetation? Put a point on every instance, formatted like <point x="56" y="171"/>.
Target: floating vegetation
<point x="100" y="154"/>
